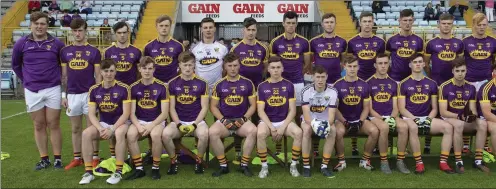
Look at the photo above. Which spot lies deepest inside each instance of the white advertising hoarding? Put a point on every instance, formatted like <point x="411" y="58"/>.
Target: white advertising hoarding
<point x="237" y="11"/>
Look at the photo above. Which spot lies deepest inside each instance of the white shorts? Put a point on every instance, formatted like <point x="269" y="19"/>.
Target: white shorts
<point x="49" y="97"/>
<point x="421" y="117"/>
<point x="478" y="84"/>
<point x="298" y="87"/>
<point x="372" y="117"/>
<point x="77" y="104"/>
<point x="106" y="126"/>
<point x="190" y="122"/>
<point x="275" y="124"/>
<point x="148" y="122"/>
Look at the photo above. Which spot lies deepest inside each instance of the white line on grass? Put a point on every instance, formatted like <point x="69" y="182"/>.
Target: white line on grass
<point x="11" y="116"/>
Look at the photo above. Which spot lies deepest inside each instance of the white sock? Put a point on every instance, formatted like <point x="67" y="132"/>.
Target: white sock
<point x="113" y="157"/>
<point x="154" y="167"/>
<point x="323" y="166"/>
<point x="77" y="158"/>
<point x="459" y="162"/>
<point x="306" y="166"/>
<point x="223" y="165"/>
<point x="264" y="164"/>
<point x="140" y="168"/>
<point x="478" y="162"/>
<point x="96" y="157"/>
<point x="293" y="162"/>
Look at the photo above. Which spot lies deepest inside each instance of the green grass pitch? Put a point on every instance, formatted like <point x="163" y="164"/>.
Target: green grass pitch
<point x="17" y="171"/>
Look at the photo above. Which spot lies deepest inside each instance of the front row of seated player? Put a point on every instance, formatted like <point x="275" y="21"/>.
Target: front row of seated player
<point x="370" y="108"/>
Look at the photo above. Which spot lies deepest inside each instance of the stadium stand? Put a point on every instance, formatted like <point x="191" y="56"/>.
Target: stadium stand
<point x="5" y="6"/>
<point x="114" y="11"/>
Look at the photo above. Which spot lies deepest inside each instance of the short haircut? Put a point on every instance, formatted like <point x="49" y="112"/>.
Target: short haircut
<point x="222" y="39"/>
<point x="382" y="55"/>
<point x="35" y="16"/>
<point x="249" y="21"/>
<point x="274" y="59"/>
<point x="145" y="60"/>
<point x="406" y="13"/>
<point x="415" y="56"/>
<point x="478" y="17"/>
<point x="348" y="58"/>
<point x="186" y="56"/>
<point x="230" y="57"/>
<point x="107" y="63"/>
<point x="77" y="23"/>
<point x="446" y="16"/>
<point x="290" y="15"/>
<point x="458" y="62"/>
<point x="120" y="25"/>
<point x="162" y="18"/>
<point x="207" y="20"/>
<point x="319" y="69"/>
<point x="366" y="14"/>
<point x="328" y="15"/>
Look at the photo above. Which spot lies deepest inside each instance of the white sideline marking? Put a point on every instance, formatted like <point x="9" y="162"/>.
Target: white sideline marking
<point x="11" y="116"/>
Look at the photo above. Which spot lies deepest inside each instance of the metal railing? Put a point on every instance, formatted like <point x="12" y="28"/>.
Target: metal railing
<point x="101" y="37"/>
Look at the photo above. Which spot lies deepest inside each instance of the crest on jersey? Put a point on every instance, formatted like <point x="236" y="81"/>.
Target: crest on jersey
<point x="88" y="53"/>
<point x="374" y="44"/>
<point x="414" y="42"/>
<point x="195" y="88"/>
<point x="49" y="47"/>
<point x="78" y="54"/>
<point x="131" y="55"/>
<point x="259" y="52"/>
<point x="488" y="45"/>
<point x="360" y="88"/>
<point x="116" y="95"/>
<point x="327" y="98"/>
<point x="216" y="49"/>
<point x="155" y="92"/>
<point x="171" y="49"/>
<point x="284" y="89"/>
<point x="297" y="45"/>
<point x="242" y="87"/>
<point x="338" y="44"/>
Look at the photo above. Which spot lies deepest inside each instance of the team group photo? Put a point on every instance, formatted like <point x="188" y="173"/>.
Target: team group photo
<point x="265" y="94"/>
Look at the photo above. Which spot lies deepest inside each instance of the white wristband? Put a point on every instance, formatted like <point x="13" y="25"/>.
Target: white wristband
<point x="64" y="95"/>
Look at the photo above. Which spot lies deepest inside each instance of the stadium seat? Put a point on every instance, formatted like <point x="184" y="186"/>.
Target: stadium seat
<point x="106" y="9"/>
<point x="123" y="15"/>
<point x="90" y="23"/>
<point x="24" y="23"/>
<point x="99" y="2"/>
<point x="390" y="15"/>
<point x="423" y="23"/>
<point x="27" y="16"/>
<point x="432" y="23"/>
<point x="461" y="23"/>
<point x="117" y="3"/>
<point x="367" y="8"/>
<point x="386" y="9"/>
<point x="395" y="9"/>
<point x="399" y="3"/>
<point x="410" y="3"/>
<point x="127" y="2"/>
<point x="92" y="16"/>
<point x="135" y="8"/>
<point x="419" y="15"/>
<point x="459" y="36"/>
<point x="115" y="9"/>
<point x="133" y="15"/>
<point x="125" y="8"/>
<point x="137" y="2"/>
<point x="355" y="3"/>
<point x="366" y="3"/>
<point x="112" y="16"/>
<point x="381" y="16"/>
<point x="97" y="8"/>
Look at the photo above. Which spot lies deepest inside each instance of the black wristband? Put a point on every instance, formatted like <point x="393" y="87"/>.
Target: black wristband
<point x="194" y="125"/>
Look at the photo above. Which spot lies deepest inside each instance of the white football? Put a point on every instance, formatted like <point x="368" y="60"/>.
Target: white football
<point x="321" y="128"/>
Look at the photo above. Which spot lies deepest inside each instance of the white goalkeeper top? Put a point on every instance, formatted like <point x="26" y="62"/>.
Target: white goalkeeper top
<point x="208" y="62"/>
<point x="319" y="102"/>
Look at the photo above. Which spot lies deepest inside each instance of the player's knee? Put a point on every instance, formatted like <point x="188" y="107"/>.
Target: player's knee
<point x="332" y="132"/>
<point x="297" y="134"/>
<point x="213" y="132"/>
<point x="77" y="129"/>
<point x="482" y="126"/>
<point x="340" y="132"/>
<point x="202" y="136"/>
<point x="373" y="132"/>
<point x="262" y="134"/>
<point x="383" y="128"/>
<point x="447" y="128"/>
<point x="87" y="134"/>
<point x="156" y="136"/>
<point x="307" y="130"/>
<point x="252" y="132"/>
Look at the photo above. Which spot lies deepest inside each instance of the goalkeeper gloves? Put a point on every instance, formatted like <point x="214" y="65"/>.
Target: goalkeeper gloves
<point x="186" y="130"/>
<point x="391" y="122"/>
<point x="467" y="118"/>
<point x="240" y="121"/>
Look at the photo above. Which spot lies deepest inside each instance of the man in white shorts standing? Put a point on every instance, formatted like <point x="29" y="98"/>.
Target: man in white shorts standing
<point x="79" y="60"/>
<point x="319" y="108"/>
<point x="276" y="108"/>
<point x="149" y="110"/>
<point x="295" y="54"/>
<point x="209" y="54"/>
<point x="35" y="61"/>
<point x="188" y="108"/>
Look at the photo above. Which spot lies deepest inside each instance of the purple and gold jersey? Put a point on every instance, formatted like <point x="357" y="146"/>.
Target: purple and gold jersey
<point x="165" y="56"/>
<point x="188" y="94"/>
<point x="233" y="96"/>
<point x="442" y="52"/>
<point x="383" y="93"/>
<point x="401" y="49"/>
<point x="352" y="95"/>
<point x="80" y="62"/>
<point x="457" y="97"/>
<point x="127" y="60"/>
<point x="252" y="58"/>
<point x="327" y="53"/>
<point x="292" y="52"/>
<point x="366" y="49"/>
<point x="487" y="95"/>
<point x="418" y="95"/>
<point x="148" y="99"/>
<point x="36" y="63"/>
<point x="109" y="102"/>
<point x="276" y="97"/>
<point x="479" y="55"/>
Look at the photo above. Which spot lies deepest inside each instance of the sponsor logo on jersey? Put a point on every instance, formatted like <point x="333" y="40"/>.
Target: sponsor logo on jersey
<point x="78" y="64"/>
<point x="352" y="100"/>
<point x="419" y="98"/>
<point x="233" y="100"/>
<point x="276" y="100"/>
<point x="147" y="103"/>
<point x="186" y="99"/>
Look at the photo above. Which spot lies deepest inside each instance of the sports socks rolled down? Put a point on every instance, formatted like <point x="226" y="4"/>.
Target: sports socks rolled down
<point x="306" y="161"/>
<point x="245" y="160"/>
<point x="444" y="156"/>
<point x="400" y="156"/>
<point x="418" y="158"/>
<point x="262" y="153"/>
<point x="156" y="163"/>
<point x="138" y="161"/>
<point x="77" y="155"/>
<point x="354" y="141"/>
<point x="325" y="160"/>
<point x="295" y="151"/>
<point x="88" y="167"/>
<point x="365" y="156"/>
<point x="222" y="160"/>
<point x="119" y="165"/>
<point x="478" y="156"/>
<point x="95" y="155"/>
<point x="112" y="151"/>
<point x="341" y="158"/>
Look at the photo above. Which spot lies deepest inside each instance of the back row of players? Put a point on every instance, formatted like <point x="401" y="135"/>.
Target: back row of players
<point x="36" y="62"/>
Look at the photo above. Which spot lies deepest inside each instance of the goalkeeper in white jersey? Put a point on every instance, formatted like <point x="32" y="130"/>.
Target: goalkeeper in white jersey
<point x="319" y="103"/>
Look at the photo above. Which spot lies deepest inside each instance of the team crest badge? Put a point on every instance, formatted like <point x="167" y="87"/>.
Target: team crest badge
<point x="216" y="49"/>
<point x="195" y="87"/>
<point x="171" y="49"/>
<point x="155" y="92"/>
<point x="414" y="42"/>
<point x="360" y="88"/>
<point x="284" y="89"/>
<point x="78" y="54"/>
<point x="131" y="55"/>
<point x="326" y="98"/>
<point x="116" y="95"/>
<point x="374" y="44"/>
<point x="338" y="44"/>
<point x="49" y="47"/>
<point x="297" y="45"/>
<point x="69" y="110"/>
<point x="242" y="87"/>
<point x="88" y="53"/>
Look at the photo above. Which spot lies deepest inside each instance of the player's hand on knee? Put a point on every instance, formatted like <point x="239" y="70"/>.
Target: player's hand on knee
<point x="227" y="123"/>
<point x="141" y="129"/>
<point x="391" y="122"/>
<point x="147" y="129"/>
<point x="418" y="121"/>
<point x="240" y="121"/>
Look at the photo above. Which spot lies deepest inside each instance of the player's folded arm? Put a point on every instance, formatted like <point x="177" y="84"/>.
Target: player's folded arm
<point x="172" y="109"/>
